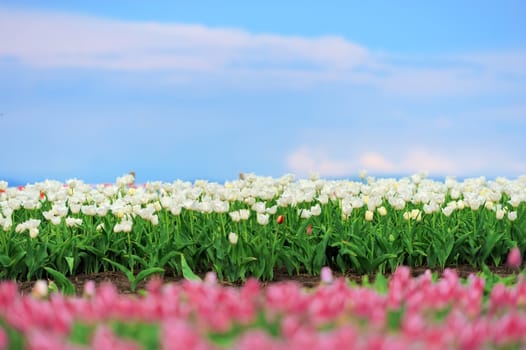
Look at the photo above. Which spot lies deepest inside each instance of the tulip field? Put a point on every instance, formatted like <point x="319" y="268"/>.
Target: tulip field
<point x="245" y="230"/>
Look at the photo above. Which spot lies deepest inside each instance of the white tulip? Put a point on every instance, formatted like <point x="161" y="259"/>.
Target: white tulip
<point x="323" y="198"/>
<point x="448" y="210"/>
<point x="33" y="232"/>
<point x="233" y="237"/>
<point x="499" y="213"/>
<point x="235" y="216"/>
<point x="430" y="208"/>
<point x="244" y="214"/>
<point x="74" y="207"/>
<point x="14" y="203"/>
<point x="72" y="222"/>
<point x="89" y="210"/>
<point x="6" y="223"/>
<point x="304" y="213"/>
<point x="221" y="206"/>
<point x="175" y="210"/>
<point x="55" y="220"/>
<point x="102" y="210"/>
<point x="272" y="210"/>
<point x="416" y="214"/>
<point x="262" y="219"/>
<point x="515" y="201"/>
<point x="259" y="207"/>
<point x="315" y="210"/>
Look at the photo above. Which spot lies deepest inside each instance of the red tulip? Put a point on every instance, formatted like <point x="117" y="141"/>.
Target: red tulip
<point x="280" y="219"/>
<point x="309" y="229"/>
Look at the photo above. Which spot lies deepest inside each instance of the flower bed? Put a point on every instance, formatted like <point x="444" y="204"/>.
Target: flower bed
<point x="251" y="226"/>
<point x="401" y="313"/>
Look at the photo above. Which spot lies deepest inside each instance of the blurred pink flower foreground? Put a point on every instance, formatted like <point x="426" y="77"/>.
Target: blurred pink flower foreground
<point x="411" y="313"/>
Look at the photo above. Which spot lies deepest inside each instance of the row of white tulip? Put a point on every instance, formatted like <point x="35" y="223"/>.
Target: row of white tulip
<point x="260" y="195"/>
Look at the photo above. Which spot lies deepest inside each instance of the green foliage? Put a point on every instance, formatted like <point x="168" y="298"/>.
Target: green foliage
<point x="191" y="243"/>
<point x="188" y="274"/>
<point x="61" y="281"/>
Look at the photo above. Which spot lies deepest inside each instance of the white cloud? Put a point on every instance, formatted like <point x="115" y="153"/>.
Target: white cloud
<point x="376" y="162"/>
<point x="305" y="160"/>
<point x="234" y="56"/>
<point x="57" y="40"/>
<point x="420" y="159"/>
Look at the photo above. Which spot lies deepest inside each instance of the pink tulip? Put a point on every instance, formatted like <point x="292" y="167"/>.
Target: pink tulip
<point x="41" y="340"/>
<point x="105" y="339"/>
<point x="257" y="340"/>
<point x="334" y="315"/>
<point x="211" y="278"/>
<point x="8" y="293"/>
<point x="89" y="289"/>
<point x="514" y="258"/>
<point x="326" y="275"/>
<point x="3" y="339"/>
<point x="177" y="334"/>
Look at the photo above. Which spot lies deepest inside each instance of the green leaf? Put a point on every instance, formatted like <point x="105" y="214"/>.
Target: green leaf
<point x="81" y="333"/>
<point x="248" y="259"/>
<point x="319" y="257"/>
<point x="146" y="334"/>
<point x="18" y="258"/>
<point x="394" y="319"/>
<point x="188" y="274"/>
<point x="61" y="281"/>
<point x="91" y="249"/>
<point x="144" y="274"/>
<point x="168" y="257"/>
<point x="5" y="260"/>
<point x="70" y="262"/>
<point x="380" y="283"/>
<point x="122" y="268"/>
<point x="136" y="258"/>
<point x="382" y="258"/>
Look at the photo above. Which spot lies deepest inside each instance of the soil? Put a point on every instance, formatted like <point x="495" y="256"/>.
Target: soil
<point x="120" y="281"/>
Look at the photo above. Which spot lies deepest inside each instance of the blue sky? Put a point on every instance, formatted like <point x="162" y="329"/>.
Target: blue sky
<point x="190" y="90"/>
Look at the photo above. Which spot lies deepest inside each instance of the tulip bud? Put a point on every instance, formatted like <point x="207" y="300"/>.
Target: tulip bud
<point x="280" y="219"/>
<point x="232" y="237"/>
<point x="309" y="229"/>
<point x="40" y="289"/>
<point x="326" y="275"/>
<point x="89" y="289"/>
<point x="514" y="257"/>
